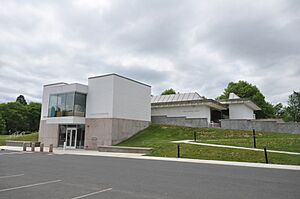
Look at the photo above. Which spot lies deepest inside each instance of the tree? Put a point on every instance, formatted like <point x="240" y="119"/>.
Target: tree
<point x="280" y="110"/>
<point x="168" y="92"/>
<point x="19" y="117"/>
<point x="293" y="109"/>
<point x="15" y="117"/>
<point x="21" y="100"/>
<point x="2" y="125"/>
<point x="246" y="90"/>
<point x="33" y="116"/>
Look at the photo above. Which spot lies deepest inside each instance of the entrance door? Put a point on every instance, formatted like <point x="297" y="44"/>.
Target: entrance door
<point x="71" y="138"/>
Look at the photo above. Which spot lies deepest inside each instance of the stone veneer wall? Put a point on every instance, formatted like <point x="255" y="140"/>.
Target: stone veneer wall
<point x="262" y="126"/>
<point x="124" y="129"/>
<point x="48" y="133"/>
<point x="110" y="131"/>
<point x="180" y="121"/>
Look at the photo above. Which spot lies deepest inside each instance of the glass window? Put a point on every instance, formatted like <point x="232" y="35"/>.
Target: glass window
<point x="69" y="108"/>
<point x="62" y="135"/>
<point x="67" y="104"/>
<point x="80" y="136"/>
<point x="52" y="106"/>
<point x="79" y="105"/>
<point x="61" y="104"/>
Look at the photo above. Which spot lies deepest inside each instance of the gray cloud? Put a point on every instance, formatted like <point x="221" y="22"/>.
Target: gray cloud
<point x="189" y="46"/>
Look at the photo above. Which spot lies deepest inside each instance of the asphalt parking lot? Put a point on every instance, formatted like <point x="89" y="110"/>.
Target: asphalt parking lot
<point x="43" y="175"/>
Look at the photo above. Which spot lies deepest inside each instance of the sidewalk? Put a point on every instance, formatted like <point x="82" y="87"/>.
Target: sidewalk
<point x="232" y="147"/>
<point x="94" y="153"/>
<point x="60" y="151"/>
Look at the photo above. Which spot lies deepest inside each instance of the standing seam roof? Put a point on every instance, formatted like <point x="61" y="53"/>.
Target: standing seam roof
<point x="176" y="97"/>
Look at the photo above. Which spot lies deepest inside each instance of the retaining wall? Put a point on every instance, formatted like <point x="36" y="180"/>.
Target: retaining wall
<point x="262" y="126"/>
<point x="180" y="121"/>
<point x="110" y="131"/>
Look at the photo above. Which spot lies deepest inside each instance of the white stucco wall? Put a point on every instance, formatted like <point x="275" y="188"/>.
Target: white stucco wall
<point x="131" y="100"/>
<point x="240" y="111"/>
<point x="55" y="89"/>
<point x="116" y="97"/>
<point x="188" y="112"/>
<point x="99" y="103"/>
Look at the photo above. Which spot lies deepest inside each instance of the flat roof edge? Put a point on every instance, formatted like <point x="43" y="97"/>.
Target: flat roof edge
<point x="207" y="102"/>
<point x="245" y="101"/>
<point x="56" y="84"/>
<point x="114" y="74"/>
<point x="63" y="84"/>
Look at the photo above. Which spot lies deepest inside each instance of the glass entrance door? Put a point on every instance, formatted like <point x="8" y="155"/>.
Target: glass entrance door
<point x="71" y="138"/>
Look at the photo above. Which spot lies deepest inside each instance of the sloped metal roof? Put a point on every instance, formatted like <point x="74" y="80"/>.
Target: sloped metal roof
<point x="180" y="97"/>
<point x="245" y="101"/>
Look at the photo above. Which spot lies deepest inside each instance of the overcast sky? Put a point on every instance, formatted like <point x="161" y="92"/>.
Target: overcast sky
<point x="187" y="45"/>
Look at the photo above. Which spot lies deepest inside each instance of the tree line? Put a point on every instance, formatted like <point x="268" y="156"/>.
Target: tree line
<point x="243" y="89"/>
<point x="19" y="116"/>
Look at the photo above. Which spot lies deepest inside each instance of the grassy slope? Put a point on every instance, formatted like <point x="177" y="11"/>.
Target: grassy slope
<point x="28" y="137"/>
<point x="275" y="141"/>
<point x="159" y="137"/>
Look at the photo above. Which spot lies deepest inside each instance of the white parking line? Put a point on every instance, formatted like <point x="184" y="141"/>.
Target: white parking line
<point x="90" y="194"/>
<point x="11" y="176"/>
<point x="30" y="185"/>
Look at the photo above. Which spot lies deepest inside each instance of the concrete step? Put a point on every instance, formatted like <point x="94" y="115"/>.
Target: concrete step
<point x="122" y="149"/>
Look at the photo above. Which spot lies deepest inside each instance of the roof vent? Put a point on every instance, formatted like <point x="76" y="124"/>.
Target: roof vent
<point x="233" y="96"/>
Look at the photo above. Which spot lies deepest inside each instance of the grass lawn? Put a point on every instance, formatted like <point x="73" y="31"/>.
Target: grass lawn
<point x="28" y="137"/>
<point x="274" y="141"/>
<point x="159" y="137"/>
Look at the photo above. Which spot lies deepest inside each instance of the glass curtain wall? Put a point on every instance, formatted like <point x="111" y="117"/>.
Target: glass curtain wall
<point x="80" y="134"/>
<point x="80" y="104"/>
<point x="52" y="106"/>
<point x="67" y="104"/>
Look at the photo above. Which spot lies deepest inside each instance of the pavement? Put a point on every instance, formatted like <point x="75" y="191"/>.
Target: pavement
<point x="52" y="175"/>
